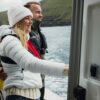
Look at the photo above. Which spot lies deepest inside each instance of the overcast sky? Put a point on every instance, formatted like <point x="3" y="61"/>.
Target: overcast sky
<point x="5" y="4"/>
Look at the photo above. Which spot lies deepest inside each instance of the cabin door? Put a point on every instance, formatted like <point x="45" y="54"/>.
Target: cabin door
<point x="84" y="75"/>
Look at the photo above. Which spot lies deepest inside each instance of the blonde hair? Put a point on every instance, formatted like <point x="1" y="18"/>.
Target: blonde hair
<point x="19" y="29"/>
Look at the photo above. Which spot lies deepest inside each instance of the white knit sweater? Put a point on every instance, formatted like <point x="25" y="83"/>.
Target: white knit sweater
<point x="30" y="78"/>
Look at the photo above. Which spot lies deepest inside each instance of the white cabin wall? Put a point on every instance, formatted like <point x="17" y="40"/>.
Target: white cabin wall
<point x="90" y="50"/>
<point x="84" y="71"/>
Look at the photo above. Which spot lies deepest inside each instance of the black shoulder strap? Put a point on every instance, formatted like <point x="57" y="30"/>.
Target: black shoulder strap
<point x="7" y="59"/>
<point x="0" y="62"/>
<point x="9" y="34"/>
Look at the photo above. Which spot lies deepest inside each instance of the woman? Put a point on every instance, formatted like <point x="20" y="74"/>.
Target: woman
<point x="22" y="68"/>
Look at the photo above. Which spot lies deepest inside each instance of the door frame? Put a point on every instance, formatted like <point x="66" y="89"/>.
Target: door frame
<point x="75" y="47"/>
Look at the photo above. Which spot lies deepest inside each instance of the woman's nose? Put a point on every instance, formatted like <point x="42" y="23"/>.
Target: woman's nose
<point x="30" y="21"/>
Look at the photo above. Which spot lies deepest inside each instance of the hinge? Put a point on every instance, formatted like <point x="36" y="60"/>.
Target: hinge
<point x="79" y="93"/>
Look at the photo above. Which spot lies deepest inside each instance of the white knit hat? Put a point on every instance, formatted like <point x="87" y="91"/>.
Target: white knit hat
<point x="15" y="14"/>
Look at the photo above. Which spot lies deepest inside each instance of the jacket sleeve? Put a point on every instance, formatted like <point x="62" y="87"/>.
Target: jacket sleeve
<point x="13" y="49"/>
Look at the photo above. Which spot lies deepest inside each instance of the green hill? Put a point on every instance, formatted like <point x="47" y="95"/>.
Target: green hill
<point x="56" y="12"/>
<point x="3" y="18"/>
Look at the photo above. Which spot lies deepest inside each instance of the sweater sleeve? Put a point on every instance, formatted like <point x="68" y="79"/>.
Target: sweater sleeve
<point x="13" y="49"/>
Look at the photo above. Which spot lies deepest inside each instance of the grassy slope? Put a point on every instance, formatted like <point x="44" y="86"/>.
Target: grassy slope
<point x="57" y="11"/>
<point x="3" y="18"/>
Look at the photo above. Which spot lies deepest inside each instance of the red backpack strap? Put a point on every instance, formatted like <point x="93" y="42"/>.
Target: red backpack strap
<point x="32" y="49"/>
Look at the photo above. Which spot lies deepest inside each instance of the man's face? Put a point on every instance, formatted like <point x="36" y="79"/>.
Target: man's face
<point x="37" y="12"/>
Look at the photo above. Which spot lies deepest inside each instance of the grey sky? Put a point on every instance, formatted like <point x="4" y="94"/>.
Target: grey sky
<point x="5" y="4"/>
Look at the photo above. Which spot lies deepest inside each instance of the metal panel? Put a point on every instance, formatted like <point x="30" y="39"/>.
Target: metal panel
<point x="75" y="47"/>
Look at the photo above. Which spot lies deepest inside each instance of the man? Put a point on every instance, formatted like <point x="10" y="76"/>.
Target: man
<point x="36" y="37"/>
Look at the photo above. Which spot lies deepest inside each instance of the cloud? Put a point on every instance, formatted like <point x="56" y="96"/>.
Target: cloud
<point x="6" y="4"/>
<point x="10" y="1"/>
<point x="25" y="1"/>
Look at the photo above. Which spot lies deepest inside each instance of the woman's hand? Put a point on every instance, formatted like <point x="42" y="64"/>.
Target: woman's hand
<point x="66" y="70"/>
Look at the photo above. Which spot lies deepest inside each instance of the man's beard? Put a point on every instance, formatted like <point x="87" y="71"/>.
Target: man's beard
<point x="36" y="24"/>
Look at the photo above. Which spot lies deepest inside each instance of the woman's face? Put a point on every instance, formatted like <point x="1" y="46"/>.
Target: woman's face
<point x="26" y="23"/>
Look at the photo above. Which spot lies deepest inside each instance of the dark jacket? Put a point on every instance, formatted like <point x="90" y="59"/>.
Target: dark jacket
<point x="39" y="41"/>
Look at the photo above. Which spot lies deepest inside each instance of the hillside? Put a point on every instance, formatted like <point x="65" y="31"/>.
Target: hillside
<point x="3" y="18"/>
<point x="56" y="12"/>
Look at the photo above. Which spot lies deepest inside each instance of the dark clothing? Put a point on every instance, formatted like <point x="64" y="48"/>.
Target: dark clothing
<point x="1" y="95"/>
<point x="38" y="38"/>
<point x="16" y="97"/>
<point x="42" y="90"/>
<point x="39" y="41"/>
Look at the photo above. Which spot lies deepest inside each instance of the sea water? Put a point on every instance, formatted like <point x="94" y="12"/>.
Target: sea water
<point x="58" y="40"/>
